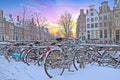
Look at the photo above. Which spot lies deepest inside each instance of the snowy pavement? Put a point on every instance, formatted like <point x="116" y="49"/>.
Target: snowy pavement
<point x="20" y="71"/>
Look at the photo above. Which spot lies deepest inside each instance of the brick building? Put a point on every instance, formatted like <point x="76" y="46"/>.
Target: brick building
<point x="81" y="25"/>
<point x="14" y="30"/>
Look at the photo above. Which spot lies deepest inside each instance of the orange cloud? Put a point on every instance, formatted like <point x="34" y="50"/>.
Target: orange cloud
<point x="54" y="27"/>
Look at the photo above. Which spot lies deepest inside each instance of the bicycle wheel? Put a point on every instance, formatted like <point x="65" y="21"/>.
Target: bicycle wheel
<point x="31" y="56"/>
<point x="79" y="60"/>
<point x="23" y="55"/>
<point x="40" y="61"/>
<point x="7" y="56"/>
<point x="52" y="65"/>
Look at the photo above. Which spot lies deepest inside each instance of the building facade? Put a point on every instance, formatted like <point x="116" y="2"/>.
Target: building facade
<point x="105" y="22"/>
<point x="116" y="21"/>
<point x="102" y="26"/>
<point x="14" y="30"/>
<point x="2" y="28"/>
<point x="81" y="26"/>
<point x="92" y="26"/>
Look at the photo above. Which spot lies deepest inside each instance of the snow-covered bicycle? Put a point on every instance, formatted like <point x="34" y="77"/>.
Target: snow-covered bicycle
<point x="59" y="59"/>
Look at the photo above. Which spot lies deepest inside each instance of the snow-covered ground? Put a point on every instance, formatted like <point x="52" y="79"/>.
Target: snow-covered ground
<point x="20" y="71"/>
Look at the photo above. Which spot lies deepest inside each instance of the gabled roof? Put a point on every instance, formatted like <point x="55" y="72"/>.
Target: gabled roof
<point x="11" y="20"/>
<point x="17" y="23"/>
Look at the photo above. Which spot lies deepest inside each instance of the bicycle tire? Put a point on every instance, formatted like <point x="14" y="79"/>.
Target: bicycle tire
<point x="30" y="56"/>
<point x="79" y="55"/>
<point x="22" y="55"/>
<point x="50" y="61"/>
<point x="40" y="61"/>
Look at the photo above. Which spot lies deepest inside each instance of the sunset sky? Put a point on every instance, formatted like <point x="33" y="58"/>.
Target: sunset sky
<point x="51" y="9"/>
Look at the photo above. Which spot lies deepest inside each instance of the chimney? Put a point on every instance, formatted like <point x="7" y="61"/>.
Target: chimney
<point x="18" y="18"/>
<point x="10" y="15"/>
<point x="86" y="11"/>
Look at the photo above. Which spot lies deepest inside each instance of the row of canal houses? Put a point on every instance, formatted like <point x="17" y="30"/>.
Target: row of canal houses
<point x="14" y="30"/>
<point x="99" y="26"/>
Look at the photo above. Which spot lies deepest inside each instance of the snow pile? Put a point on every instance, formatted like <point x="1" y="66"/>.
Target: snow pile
<point x="20" y="71"/>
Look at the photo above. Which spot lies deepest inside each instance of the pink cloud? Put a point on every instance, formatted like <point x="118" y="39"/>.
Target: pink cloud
<point x="41" y="3"/>
<point x="34" y="9"/>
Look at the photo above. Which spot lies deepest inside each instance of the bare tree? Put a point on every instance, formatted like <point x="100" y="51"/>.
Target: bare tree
<point x="26" y="15"/>
<point x="66" y="24"/>
<point x="23" y="20"/>
<point x="40" y="22"/>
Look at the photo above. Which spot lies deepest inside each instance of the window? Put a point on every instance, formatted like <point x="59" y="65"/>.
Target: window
<point x="116" y="14"/>
<point x="88" y="34"/>
<point x="80" y="29"/>
<point x="110" y="16"/>
<point x="105" y="24"/>
<point x="91" y="9"/>
<point x="92" y="34"/>
<point x="92" y="19"/>
<point x="105" y="17"/>
<point x="88" y="31"/>
<point x="100" y="18"/>
<point x="11" y="32"/>
<point x="101" y="34"/>
<point x="1" y="19"/>
<point x="117" y="35"/>
<point x="110" y="23"/>
<point x="105" y="33"/>
<point x="117" y="22"/>
<point x="1" y="24"/>
<point x="92" y="25"/>
<point x="83" y="29"/>
<point x="88" y="25"/>
<point x="92" y="14"/>
<point x="100" y="24"/>
<point x="110" y="32"/>
<point x="96" y="18"/>
<point x="3" y="37"/>
<point x="1" y="30"/>
<point x="88" y="19"/>
<point x="11" y="27"/>
<point x="96" y="25"/>
<point x="96" y="33"/>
